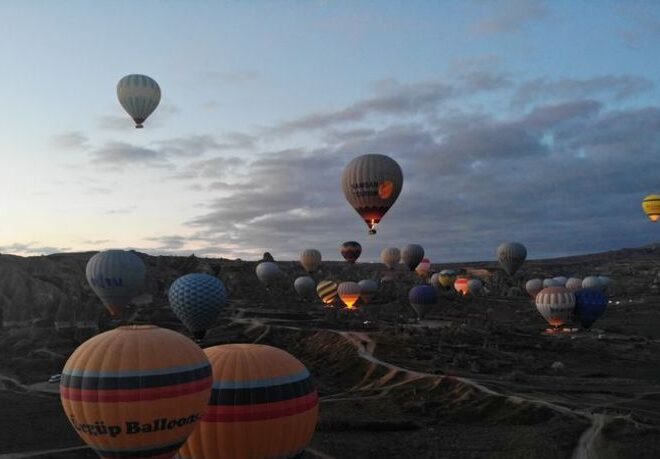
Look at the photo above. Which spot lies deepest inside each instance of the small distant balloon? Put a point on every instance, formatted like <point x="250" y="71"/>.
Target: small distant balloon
<point x="461" y="286"/>
<point x="269" y="273"/>
<point x="561" y="280"/>
<point x="651" y="207"/>
<point x="369" y="290"/>
<point x="475" y="286"/>
<point x="305" y="287"/>
<point x="390" y="256"/>
<point x="590" y="304"/>
<point x="511" y="256"/>
<point x="349" y="293"/>
<point x="310" y="259"/>
<point x="423" y="268"/>
<point x="327" y="291"/>
<point x="573" y="284"/>
<point x="533" y="287"/>
<point x="593" y="282"/>
<point x="412" y="255"/>
<point x="139" y="95"/>
<point x="422" y="297"/>
<point x="556" y="305"/>
<point x="351" y="251"/>
<point x="550" y="283"/>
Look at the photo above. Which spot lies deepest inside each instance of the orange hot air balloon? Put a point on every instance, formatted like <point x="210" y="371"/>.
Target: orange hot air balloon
<point x="651" y="207"/>
<point x="349" y="293"/>
<point x="461" y="285"/>
<point x="371" y="184"/>
<point x="263" y="405"/>
<point x="136" y="391"/>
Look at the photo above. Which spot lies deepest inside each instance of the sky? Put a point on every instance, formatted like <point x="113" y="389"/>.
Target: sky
<point x="516" y="120"/>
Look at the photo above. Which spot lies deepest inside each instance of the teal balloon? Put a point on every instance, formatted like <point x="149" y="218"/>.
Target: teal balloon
<point x="197" y="299"/>
<point x="139" y="95"/>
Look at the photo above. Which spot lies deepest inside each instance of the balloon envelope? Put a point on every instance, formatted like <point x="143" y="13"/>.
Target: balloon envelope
<point x="474" y="286"/>
<point x="593" y="282"/>
<point x="305" y="287"/>
<point x="368" y="290"/>
<point x="136" y="391"/>
<point x="351" y="251"/>
<point x="116" y="276"/>
<point x="461" y="286"/>
<point x="412" y="255"/>
<point x="197" y="299"/>
<point x="590" y="304"/>
<point x="561" y="280"/>
<point x="268" y="272"/>
<point x="534" y="286"/>
<point x="511" y="256"/>
<point x="139" y="95"/>
<point x="263" y="405"/>
<point x="310" y="259"/>
<point x="423" y="268"/>
<point x="422" y="297"/>
<point x="349" y="293"/>
<point x="550" y="283"/>
<point x="574" y="283"/>
<point x="390" y="256"/>
<point x="371" y="184"/>
<point x="556" y="305"/>
<point x="651" y="207"/>
<point x="327" y="291"/>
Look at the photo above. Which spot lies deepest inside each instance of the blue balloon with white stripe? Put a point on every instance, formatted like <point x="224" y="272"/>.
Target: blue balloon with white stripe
<point x="197" y="299"/>
<point x="139" y="95"/>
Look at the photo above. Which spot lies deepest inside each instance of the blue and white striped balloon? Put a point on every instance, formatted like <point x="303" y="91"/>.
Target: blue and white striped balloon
<point x="139" y="95"/>
<point x="197" y="299"/>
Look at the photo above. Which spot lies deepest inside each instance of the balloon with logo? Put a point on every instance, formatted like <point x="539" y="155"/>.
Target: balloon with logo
<point x="533" y="287"/>
<point x="327" y="291"/>
<point x="310" y="259"/>
<point x="590" y="304"/>
<point x="556" y="305"/>
<point x="422" y="297"/>
<point x="139" y="95"/>
<point x="136" y="391"/>
<point x="116" y="276"/>
<point x="349" y="293"/>
<point x="263" y="405"/>
<point x="368" y="290"/>
<point x="305" y="287"/>
<point x="351" y="251"/>
<point x="511" y="256"/>
<point x="651" y="207"/>
<point x="390" y="256"/>
<point x="412" y="255"/>
<point x="197" y="299"/>
<point x="371" y="184"/>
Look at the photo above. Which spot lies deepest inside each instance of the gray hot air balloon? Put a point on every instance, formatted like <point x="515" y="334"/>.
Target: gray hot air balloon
<point x="116" y="276"/>
<point x="369" y="290"/>
<point x="533" y="287"/>
<point x="556" y="305"/>
<point x="511" y="256"/>
<point x="310" y="259"/>
<point x="550" y="283"/>
<point x="371" y="184"/>
<point x="390" y="256"/>
<point x="474" y="286"/>
<point x="139" y="95"/>
<point x="412" y="255"/>
<point x="574" y="284"/>
<point x="561" y="280"/>
<point x="593" y="282"/>
<point x="305" y="287"/>
<point x="269" y="273"/>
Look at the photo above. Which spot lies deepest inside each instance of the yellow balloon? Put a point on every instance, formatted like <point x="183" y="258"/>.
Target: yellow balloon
<point x="651" y="206"/>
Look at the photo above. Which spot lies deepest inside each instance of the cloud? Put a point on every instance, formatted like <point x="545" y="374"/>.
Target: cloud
<point x="121" y="211"/>
<point x="618" y="87"/>
<point x="510" y="17"/>
<point x="233" y="77"/>
<point x="117" y="155"/>
<point x="32" y="248"/>
<point x="171" y="242"/>
<point x="73" y="140"/>
<point x="214" y="168"/>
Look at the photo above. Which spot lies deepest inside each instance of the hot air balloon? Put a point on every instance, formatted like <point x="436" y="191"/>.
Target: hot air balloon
<point x="556" y="305"/>
<point x="116" y="276"/>
<point x="511" y="256"/>
<point x="351" y="251"/>
<point x="561" y="280"/>
<point x="269" y="273"/>
<point x="590" y="304"/>
<point x="423" y="268"/>
<point x="461" y="286"/>
<point x="592" y="282"/>
<point x="651" y="207"/>
<point x="534" y="286"/>
<point x="368" y="290"/>
<point x="263" y="405"/>
<point x="327" y="291"/>
<point x="371" y="184"/>
<point x="390" y="257"/>
<point x="412" y="255"/>
<point x="197" y="299"/>
<point x="573" y="284"/>
<point x="139" y="95"/>
<point x="136" y="391"/>
<point x="349" y="293"/>
<point x="305" y="287"/>
<point x="421" y="298"/>
<point x="605" y="281"/>
<point x="474" y="286"/>
<point x="434" y="281"/>
<point x="550" y="283"/>
<point x="310" y="259"/>
<point x="447" y="278"/>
